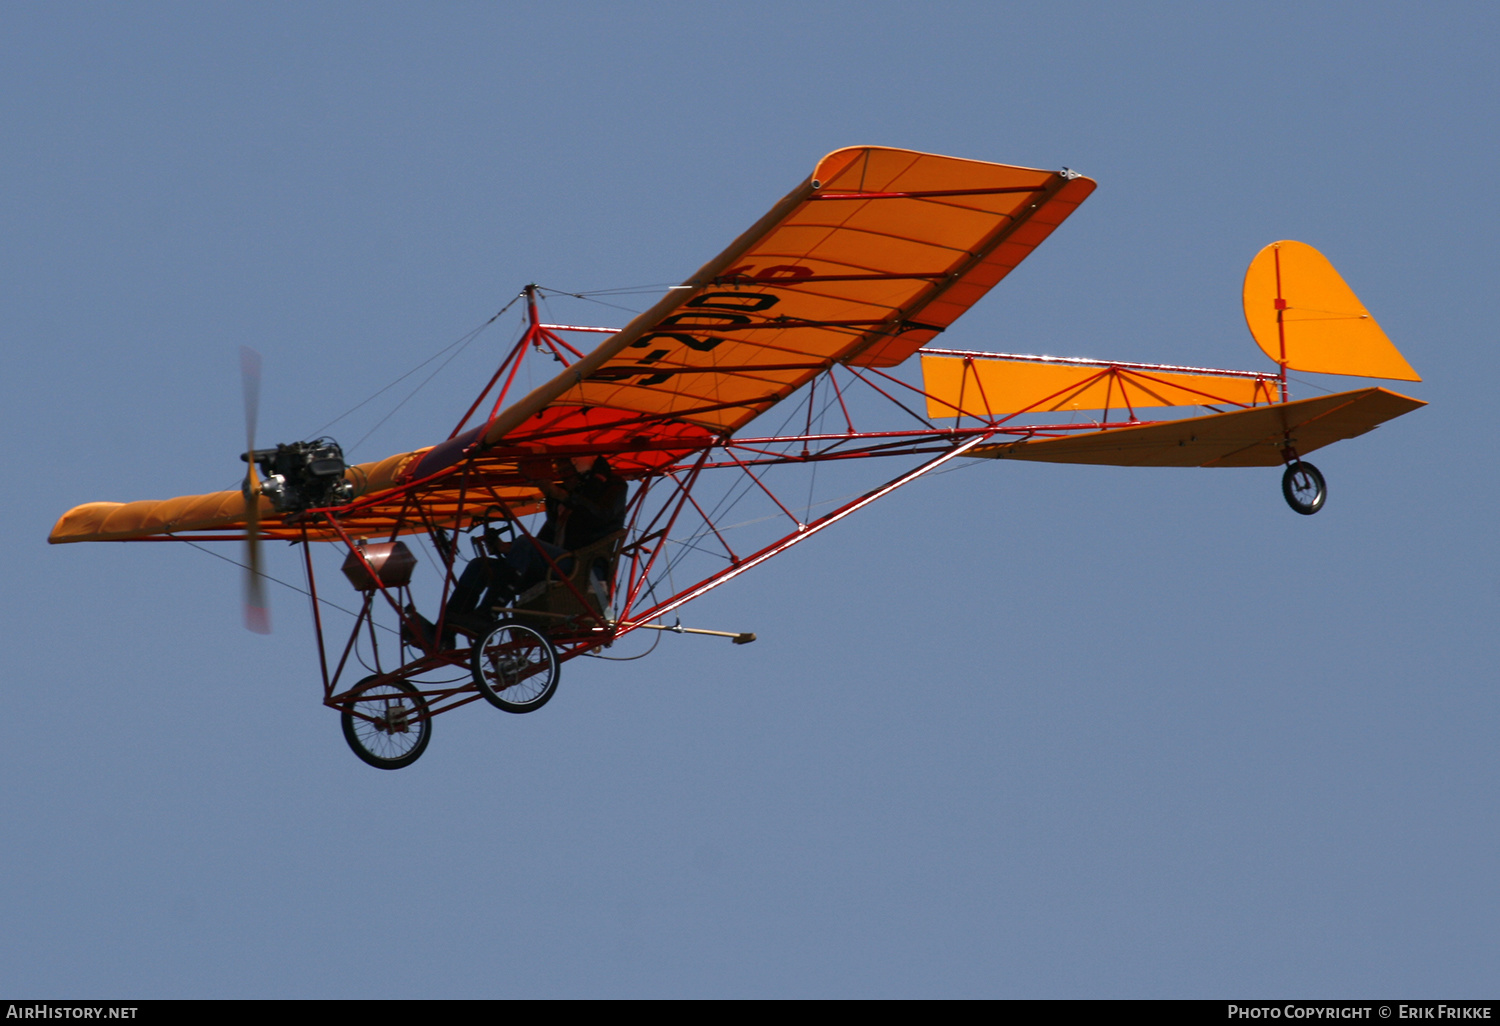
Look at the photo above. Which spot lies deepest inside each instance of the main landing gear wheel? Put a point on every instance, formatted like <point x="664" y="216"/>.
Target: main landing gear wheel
<point x="1303" y="486"/>
<point x="515" y="668"/>
<point x="387" y="724"/>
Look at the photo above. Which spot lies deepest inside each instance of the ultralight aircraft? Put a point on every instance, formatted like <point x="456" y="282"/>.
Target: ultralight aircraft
<point x="857" y="270"/>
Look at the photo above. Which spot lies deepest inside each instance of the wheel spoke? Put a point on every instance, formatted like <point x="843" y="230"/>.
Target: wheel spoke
<point x="515" y="668"/>
<point x="386" y="724"/>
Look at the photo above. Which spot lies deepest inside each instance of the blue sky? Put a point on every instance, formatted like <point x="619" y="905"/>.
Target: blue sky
<point x="1015" y="731"/>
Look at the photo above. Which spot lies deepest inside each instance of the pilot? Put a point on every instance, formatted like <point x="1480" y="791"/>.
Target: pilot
<point x="587" y="505"/>
<point x="584" y="506"/>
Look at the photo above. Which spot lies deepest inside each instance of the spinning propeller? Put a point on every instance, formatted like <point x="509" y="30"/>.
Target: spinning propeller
<point x="257" y="609"/>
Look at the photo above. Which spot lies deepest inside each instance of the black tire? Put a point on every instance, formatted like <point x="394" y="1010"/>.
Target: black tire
<point x="515" y="668"/>
<point x="386" y="724"/>
<point x="1303" y="486"/>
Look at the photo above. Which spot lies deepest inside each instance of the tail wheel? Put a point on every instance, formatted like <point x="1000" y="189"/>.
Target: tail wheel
<point x="1303" y="486"/>
<point x="515" y="668"/>
<point x="387" y="724"/>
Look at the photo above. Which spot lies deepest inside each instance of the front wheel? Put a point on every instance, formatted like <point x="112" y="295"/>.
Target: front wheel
<point x="515" y="668"/>
<point x="386" y="724"/>
<point x="1303" y="486"/>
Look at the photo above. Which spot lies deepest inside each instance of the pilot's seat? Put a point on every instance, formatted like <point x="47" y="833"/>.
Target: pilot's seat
<point x="592" y="577"/>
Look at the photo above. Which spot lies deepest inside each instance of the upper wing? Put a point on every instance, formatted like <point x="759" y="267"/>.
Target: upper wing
<point x="380" y="508"/>
<point x="870" y="257"/>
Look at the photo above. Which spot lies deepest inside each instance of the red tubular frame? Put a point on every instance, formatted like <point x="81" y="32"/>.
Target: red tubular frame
<point x="649" y="532"/>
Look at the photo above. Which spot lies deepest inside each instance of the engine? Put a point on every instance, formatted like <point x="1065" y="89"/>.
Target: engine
<point x="300" y="476"/>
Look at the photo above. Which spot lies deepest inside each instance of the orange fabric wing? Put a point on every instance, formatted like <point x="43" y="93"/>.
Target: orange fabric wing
<point x="865" y="261"/>
<point x="379" y="509"/>
<point x="870" y="257"/>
